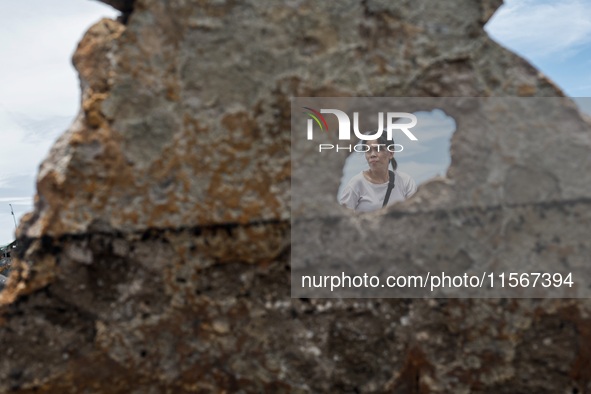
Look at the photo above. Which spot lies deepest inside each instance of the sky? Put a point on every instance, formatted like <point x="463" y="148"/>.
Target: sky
<point x="554" y="35"/>
<point x="39" y="90"/>
<point x="40" y="95"/>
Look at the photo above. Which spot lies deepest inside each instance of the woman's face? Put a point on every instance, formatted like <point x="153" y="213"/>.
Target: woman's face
<point x="378" y="156"/>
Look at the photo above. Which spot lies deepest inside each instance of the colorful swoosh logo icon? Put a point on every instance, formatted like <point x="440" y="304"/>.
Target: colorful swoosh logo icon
<point x="317" y="116"/>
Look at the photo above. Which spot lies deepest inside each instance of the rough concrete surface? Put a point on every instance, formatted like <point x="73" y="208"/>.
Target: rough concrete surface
<point x="157" y="255"/>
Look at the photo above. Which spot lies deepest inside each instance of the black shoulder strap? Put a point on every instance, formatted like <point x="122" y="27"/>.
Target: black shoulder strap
<point x="390" y="187"/>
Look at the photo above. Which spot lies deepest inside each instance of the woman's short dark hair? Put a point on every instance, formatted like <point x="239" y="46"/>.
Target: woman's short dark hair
<point x="382" y="140"/>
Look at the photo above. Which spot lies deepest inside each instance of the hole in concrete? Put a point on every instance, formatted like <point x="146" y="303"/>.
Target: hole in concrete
<point x="422" y="160"/>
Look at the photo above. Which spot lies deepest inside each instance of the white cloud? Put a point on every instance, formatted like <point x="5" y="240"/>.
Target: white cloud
<point x="40" y="36"/>
<point x="20" y="156"/>
<point x="27" y="201"/>
<point x="433" y="125"/>
<point x="581" y="88"/>
<point x="39" y="92"/>
<point x="422" y="172"/>
<point x="539" y="28"/>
